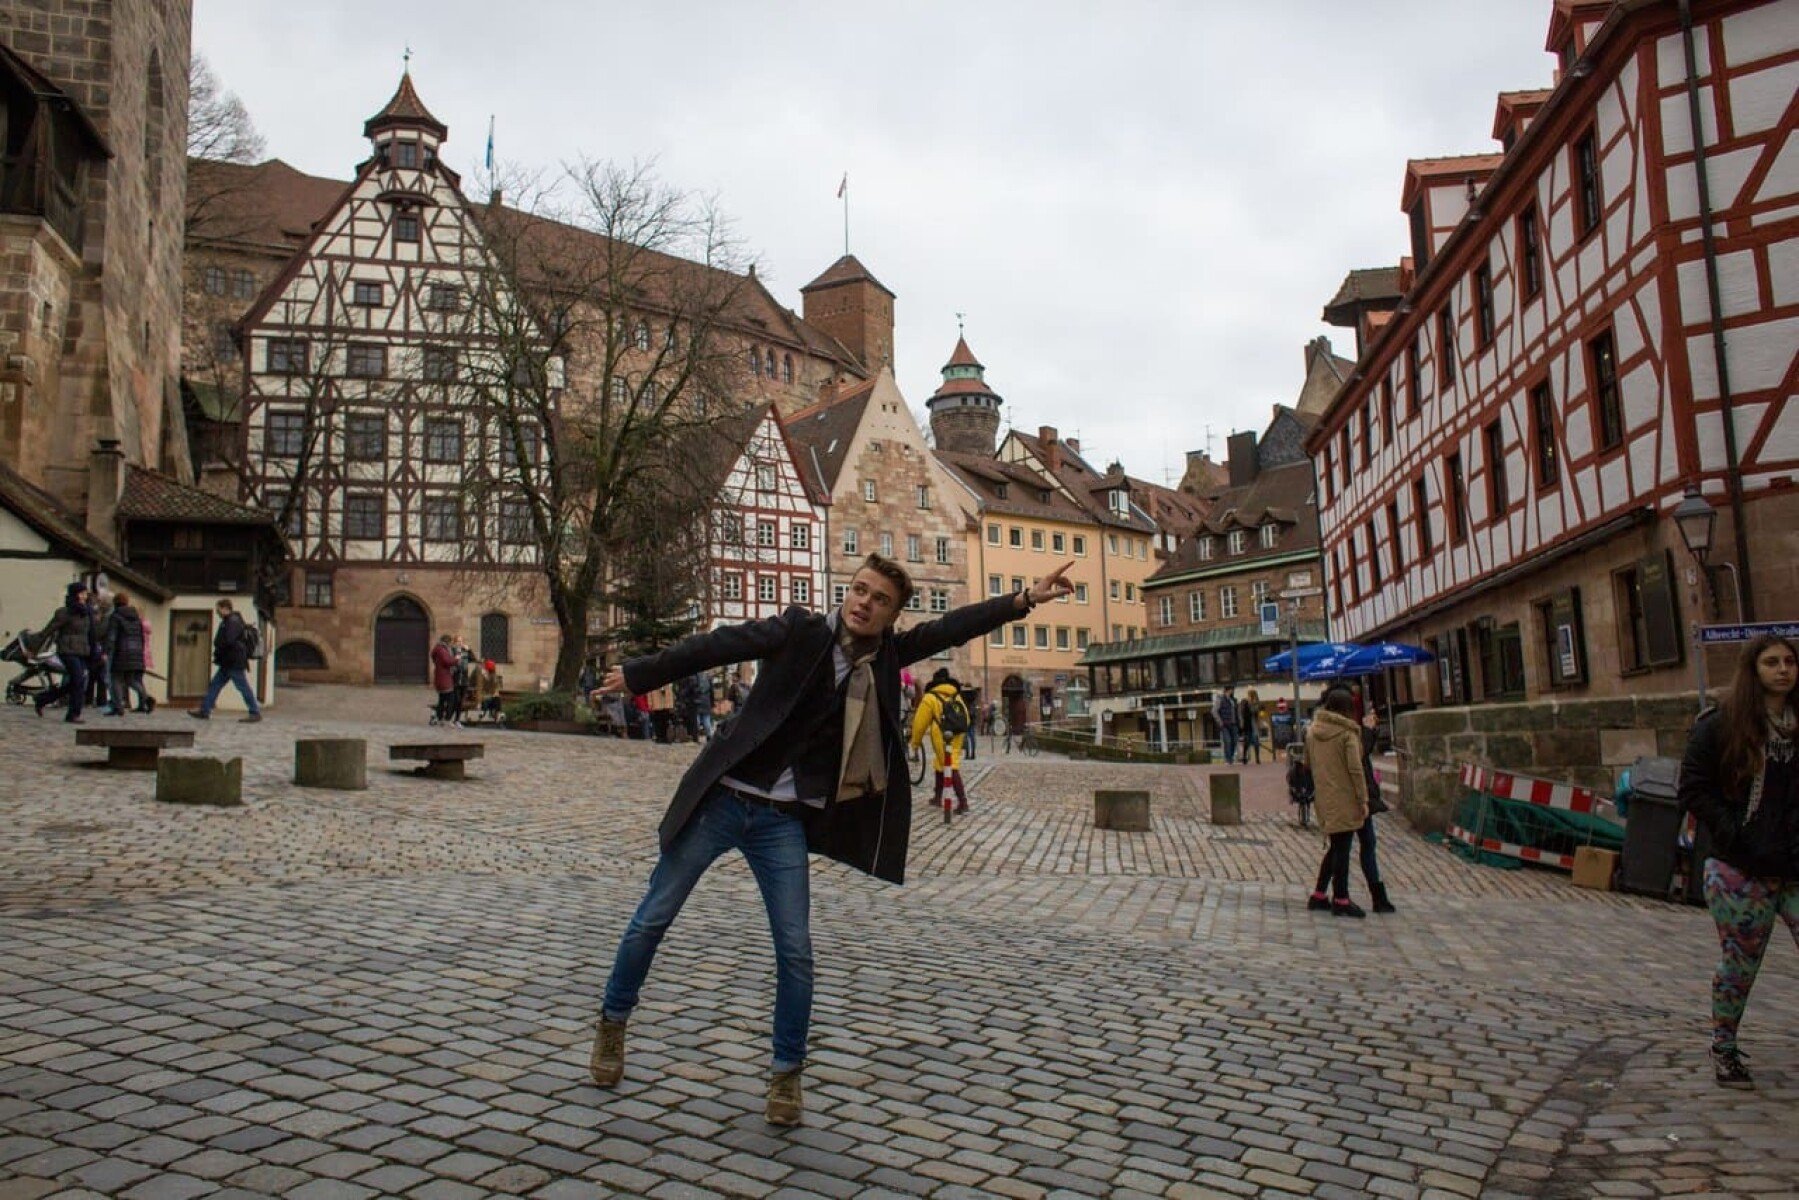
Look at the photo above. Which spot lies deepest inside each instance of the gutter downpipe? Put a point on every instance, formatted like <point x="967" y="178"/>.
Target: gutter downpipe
<point x="1733" y="480"/>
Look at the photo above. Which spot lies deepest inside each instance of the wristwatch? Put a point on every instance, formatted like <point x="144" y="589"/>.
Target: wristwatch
<point x="1024" y="599"/>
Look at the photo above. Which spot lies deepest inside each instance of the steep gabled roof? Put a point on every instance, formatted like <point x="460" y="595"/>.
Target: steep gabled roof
<point x="848" y="269"/>
<point x="269" y="205"/>
<point x="1027" y="493"/>
<point x="1282" y="494"/>
<point x="64" y="530"/>
<point x="1086" y="484"/>
<point x="152" y="496"/>
<point x="826" y="430"/>
<point x="1365" y="285"/>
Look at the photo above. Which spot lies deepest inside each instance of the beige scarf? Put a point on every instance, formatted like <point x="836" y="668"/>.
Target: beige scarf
<point x="864" y="771"/>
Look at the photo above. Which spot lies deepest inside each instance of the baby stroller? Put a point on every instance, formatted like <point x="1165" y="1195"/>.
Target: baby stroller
<point x="43" y="670"/>
<point x="1300" y="787"/>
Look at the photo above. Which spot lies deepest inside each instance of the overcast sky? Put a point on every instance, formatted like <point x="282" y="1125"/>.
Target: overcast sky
<point x="1141" y="207"/>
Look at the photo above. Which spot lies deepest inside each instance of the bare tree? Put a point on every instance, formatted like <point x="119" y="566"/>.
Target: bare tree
<point x="219" y="127"/>
<point x="604" y="360"/>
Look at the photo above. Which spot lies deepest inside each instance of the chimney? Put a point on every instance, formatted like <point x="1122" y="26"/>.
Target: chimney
<point x="1073" y="444"/>
<point x="1242" y="449"/>
<point x="105" y="480"/>
<point x="1052" y="450"/>
<point x="495" y="197"/>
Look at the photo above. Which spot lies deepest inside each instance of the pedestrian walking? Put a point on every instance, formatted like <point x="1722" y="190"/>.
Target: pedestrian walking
<point x="1249" y="728"/>
<point x="942" y="718"/>
<point x="1224" y="713"/>
<point x="1377" y="804"/>
<point x="813" y="762"/>
<point x="1740" y="779"/>
<point x="443" y="679"/>
<point x="231" y="647"/>
<point x="123" y="637"/>
<point x="72" y="627"/>
<point x="1334" y="753"/>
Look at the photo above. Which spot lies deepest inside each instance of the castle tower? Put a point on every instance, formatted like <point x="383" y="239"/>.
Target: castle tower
<point x="855" y="308"/>
<point x="90" y="324"/>
<point x="964" y="410"/>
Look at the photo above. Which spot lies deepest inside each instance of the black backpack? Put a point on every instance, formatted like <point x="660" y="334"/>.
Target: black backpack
<point x="955" y="716"/>
<point x="252" y="641"/>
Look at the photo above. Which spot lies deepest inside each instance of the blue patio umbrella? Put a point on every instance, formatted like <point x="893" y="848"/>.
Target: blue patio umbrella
<point x="1366" y="660"/>
<point x="1310" y="653"/>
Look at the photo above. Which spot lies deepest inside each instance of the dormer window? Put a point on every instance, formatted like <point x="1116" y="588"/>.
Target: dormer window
<point x="1206" y="548"/>
<point x="1239" y="540"/>
<point x="999" y="491"/>
<point x="1270" y="534"/>
<point x="1119" y="501"/>
<point x="406" y="155"/>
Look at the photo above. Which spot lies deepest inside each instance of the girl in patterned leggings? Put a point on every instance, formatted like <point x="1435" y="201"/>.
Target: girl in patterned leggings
<point x="1741" y="780"/>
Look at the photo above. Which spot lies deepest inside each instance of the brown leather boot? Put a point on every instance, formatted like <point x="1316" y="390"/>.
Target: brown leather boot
<point x="608" y="1062"/>
<point x="786" y="1101"/>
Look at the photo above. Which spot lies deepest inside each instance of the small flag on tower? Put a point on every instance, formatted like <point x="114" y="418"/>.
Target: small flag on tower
<point x="490" y="142"/>
<point x="844" y="186"/>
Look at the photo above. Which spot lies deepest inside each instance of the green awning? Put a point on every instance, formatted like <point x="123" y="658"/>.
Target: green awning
<point x="1228" y="638"/>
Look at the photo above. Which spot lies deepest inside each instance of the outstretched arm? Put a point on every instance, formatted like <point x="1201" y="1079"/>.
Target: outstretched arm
<point x="701" y="652"/>
<point x="973" y="620"/>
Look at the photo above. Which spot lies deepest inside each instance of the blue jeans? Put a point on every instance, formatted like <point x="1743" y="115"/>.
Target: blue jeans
<point x="1228" y="735"/>
<point x="774" y="844"/>
<point x="235" y="676"/>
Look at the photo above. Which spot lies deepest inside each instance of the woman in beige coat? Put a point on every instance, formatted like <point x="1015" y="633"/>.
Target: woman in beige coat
<point x="1334" y="752"/>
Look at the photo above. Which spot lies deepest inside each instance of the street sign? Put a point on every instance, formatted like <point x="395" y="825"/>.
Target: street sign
<point x="1721" y="635"/>
<point x="1301" y="593"/>
<point x="1271" y="620"/>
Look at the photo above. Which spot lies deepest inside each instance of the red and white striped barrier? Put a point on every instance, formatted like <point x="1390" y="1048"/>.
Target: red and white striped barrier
<point x="1512" y="849"/>
<point x="1506" y="785"/>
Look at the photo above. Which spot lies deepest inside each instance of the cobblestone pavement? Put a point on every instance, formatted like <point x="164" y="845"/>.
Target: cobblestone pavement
<point x="387" y="993"/>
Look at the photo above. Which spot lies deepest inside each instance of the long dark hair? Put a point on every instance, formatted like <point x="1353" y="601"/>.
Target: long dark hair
<point x="1742" y="713"/>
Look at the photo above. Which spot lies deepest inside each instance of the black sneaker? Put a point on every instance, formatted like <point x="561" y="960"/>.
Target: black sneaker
<point x="1318" y="902"/>
<point x="1728" y="1062"/>
<point x="1346" y="908"/>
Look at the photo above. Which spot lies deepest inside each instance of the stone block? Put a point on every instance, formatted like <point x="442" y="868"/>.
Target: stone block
<point x="1512" y="718"/>
<point x="1668" y="712"/>
<point x="1428" y="796"/>
<point x="1511" y="752"/>
<point x="1226" y="795"/>
<point x="1433" y="722"/>
<point x="1621" y="747"/>
<point x="1618" y="712"/>
<point x="192" y="779"/>
<point x="1555" y="751"/>
<point x="1123" y="811"/>
<point x="341" y="763"/>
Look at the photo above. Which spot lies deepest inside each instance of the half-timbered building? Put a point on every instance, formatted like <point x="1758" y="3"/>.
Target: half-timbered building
<point x="1595" y="319"/>
<point x="768" y="536"/>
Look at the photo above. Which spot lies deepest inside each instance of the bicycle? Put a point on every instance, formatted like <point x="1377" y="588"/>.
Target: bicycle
<point x="1028" y="743"/>
<point x="919" y="758"/>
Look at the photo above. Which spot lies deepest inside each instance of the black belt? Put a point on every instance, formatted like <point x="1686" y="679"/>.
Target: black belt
<point x="791" y="808"/>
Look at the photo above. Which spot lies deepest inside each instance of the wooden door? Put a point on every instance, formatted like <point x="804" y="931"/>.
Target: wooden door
<point x="402" y="642"/>
<point x="190" y="652"/>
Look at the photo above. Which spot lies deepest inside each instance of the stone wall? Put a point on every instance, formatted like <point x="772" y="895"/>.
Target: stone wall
<point x="1579" y="741"/>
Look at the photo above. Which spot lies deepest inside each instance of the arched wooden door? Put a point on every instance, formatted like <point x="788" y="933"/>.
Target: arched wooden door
<point x="1015" y="693"/>
<point x="402" y="642"/>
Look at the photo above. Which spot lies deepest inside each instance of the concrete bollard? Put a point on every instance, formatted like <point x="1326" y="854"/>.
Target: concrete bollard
<point x="1226" y="793"/>
<point x="1126" y="812"/>
<point x="197" y="780"/>
<point x="341" y="763"/>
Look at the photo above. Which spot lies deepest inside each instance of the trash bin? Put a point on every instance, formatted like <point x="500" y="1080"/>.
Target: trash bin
<point x="1652" y="830"/>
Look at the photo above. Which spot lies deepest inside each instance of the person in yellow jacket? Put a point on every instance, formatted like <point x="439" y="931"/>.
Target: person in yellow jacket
<point x="942" y="716"/>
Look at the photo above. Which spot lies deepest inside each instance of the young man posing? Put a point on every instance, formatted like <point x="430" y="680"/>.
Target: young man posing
<point x="814" y="760"/>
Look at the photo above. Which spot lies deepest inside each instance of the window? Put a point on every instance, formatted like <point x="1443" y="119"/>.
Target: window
<point x="1112" y="544"/>
<point x="765" y="477"/>
<point x="224" y="343"/>
<point x="316" y="592"/>
<point x="1386" y="410"/>
<point x="1130" y="592"/>
<point x="801" y="588"/>
<point x="838" y="592"/>
<point x="406" y="155"/>
<point x="640" y="337"/>
<point x="1484" y="324"/>
<point x="443" y="440"/>
<point x="768" y="588"/>
<point x="1061" y="637"/>
<point x="852" y="542"/>
<point x="515" y="522"/>
<point x="1648" y="614"/>
<point x="1412" y="398"/>
<point x="1206" y="546"/>
<point x="365" y="360"/>
<point x="755" y="362"/>
<point x="1367" y="434"/>
<point x="730" y="585"/>
<point x="1036" y="539"/>
<point x="295" y="525"/>
<point x="730" y="527"/>
<point x="1395" y="537"/>
<point x="1227" y="601"/>
<point x="1015" y="537"/>
<point x="915" y="602"/>
<point x="1269" y="534"/>
<point x="1374" y="576"/>
<point x="1115" y="594"/>
<point x="1325" y="477"/>
<point x="996" y="586"/>
<point x="801" y="536"/>
<point x="787" y="368"/>
<point x="1040" y="636"/>
<point x="1530" y="253"/>
<point x="365" y="437"/>
<point x="939" y="600"/>
<point x="1118" y="500"/>
<point x="442" y="518"/>
<point x="769" y="364"/>
<point x="214" y="281"/>
<point x="1080" y="639"/>
<point x="1542" y="436"/>
<point x="993" y="535"/>
<point x="868" y="490"/>
<point x="1058" y="543"/>
<point x="1586" y="178"/>
<point x="286" y="434"/>
<point x="1080" y="546"/>
<point x="1080" y="593"/>
<point x="1452" y="667"/>
<point x="765" y="533"/>
<point x="496" y="637"/>
<point x="1239" y="541"/>
<point x="997" y="637"/>
<point x="243" y="285"/>
<point x="1501" y="652"/>
<point x="1343" y="455"/>
<point x="943" y="551"/>
<point x="1196" y="606"/>
<point x="406" y="228"/>
<point x="438" y="364"/>
<point x="1498" y="493"/>
<point x="1165" y="609"/>
<point x="924" y="496"/>
<point x="1605" y="391"/>
<point x="1019" y="634"/>
<point x="1445" y="347"/>
<point x="913" y="551"/>
<point x="1564" y="639"/>
<point x="999" y="490"/>
<point x="1354" y="572"/>
<point x="364" y="516"/>
<point x="443" y="297"/>
<point x="886" y="545"/>
<point x="1458" y="498"/>
<point x="1018" y="583"/>
<point x="366" y="294"/>
<point x="287" y="356"/>
<point x="1421" y="515"/>
<point x="513" y="447"/>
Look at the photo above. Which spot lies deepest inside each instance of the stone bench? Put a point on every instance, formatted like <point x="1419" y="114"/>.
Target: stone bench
<point x="443" y="760"/>
<point x="1124" y="811"/>
<point x="135" y="749"/>
<point x="1226" y="794"/>
<point x="190" y="779"/>
<point x="341" y="763"/>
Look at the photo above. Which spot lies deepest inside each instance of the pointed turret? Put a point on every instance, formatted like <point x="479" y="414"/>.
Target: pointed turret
<point x="964" y="410"/>
<point x="405" y="111"/>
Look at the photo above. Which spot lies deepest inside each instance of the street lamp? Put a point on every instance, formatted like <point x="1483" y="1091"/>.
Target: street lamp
<point x="1696" y="519"/>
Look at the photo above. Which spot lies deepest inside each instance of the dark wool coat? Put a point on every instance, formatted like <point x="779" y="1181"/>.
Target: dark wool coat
<point x="1765" y="845"/>
<point x="228" y="649"/>
<point x="870" y="833"/>
<point x="124" y="639"/>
